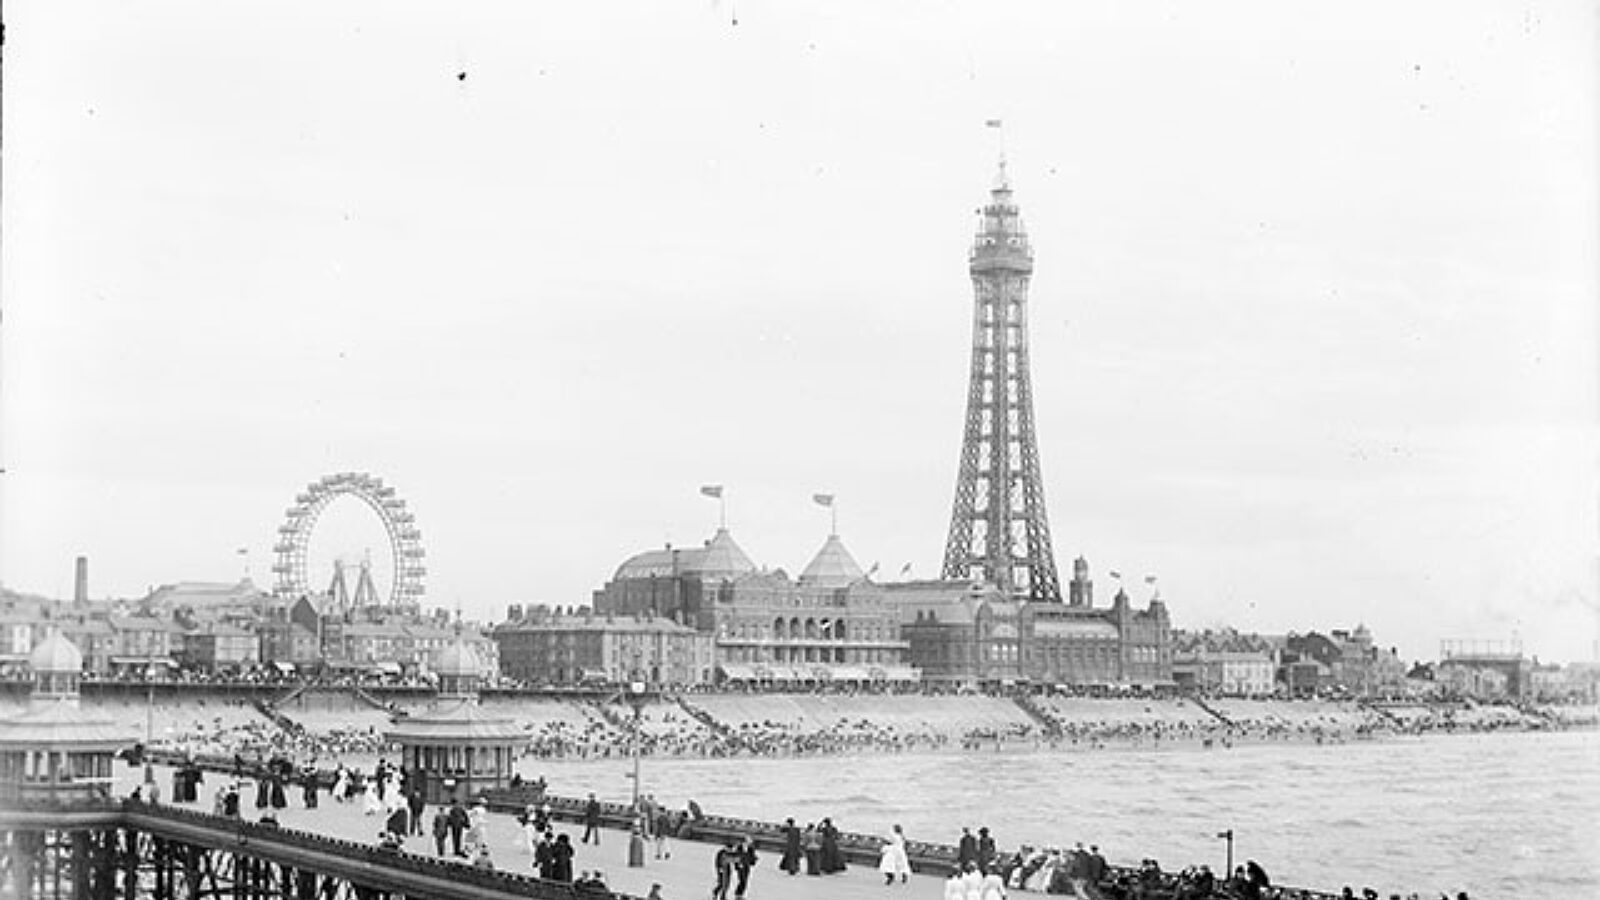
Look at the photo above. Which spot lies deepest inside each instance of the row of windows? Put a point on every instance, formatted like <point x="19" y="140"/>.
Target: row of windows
<point x="795" y="628"/>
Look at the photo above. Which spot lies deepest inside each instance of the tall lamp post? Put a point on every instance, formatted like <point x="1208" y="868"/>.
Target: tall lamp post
<point x="149" y="714"/>
<point x="636" y="833"/>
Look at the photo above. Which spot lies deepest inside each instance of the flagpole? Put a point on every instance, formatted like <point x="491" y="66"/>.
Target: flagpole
<point x="722" y="513"/>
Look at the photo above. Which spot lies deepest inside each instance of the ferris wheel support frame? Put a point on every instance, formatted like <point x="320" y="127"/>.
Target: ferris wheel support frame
<point x="405" y="540"/>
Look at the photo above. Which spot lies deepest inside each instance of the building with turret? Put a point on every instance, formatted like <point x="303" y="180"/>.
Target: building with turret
<point x="829" y="624"/>
<point x="973" y="633"/>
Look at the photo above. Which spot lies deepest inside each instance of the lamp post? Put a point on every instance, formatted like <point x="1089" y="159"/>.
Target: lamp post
<point x="149" y="715"/>
<point x="636" y="700"/>
<point x="636" y="832"/>
<point x="1227" y="871"/>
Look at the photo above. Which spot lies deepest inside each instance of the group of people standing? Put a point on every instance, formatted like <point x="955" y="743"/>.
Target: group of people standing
<point x="817" y="846"/>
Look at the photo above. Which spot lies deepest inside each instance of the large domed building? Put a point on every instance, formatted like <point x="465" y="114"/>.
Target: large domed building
<point x="830" y="624"/>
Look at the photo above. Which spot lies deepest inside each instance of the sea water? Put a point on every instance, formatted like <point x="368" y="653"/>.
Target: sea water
<point x="1496" y="814"/>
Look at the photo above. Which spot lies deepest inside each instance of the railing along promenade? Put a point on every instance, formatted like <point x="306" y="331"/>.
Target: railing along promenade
<point x="397" y="872"/>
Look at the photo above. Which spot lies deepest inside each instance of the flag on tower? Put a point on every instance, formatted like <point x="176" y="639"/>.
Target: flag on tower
<point x="1115" y="574"/>
<point x="992" y="123"/>
<point x="242" y="551"/>
<point x="711" y="490"/>
<point x="1149" y="579"/>
<point x="823" y="499"/>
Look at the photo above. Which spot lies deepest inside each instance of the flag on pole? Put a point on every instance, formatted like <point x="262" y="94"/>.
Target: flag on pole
<point x="1149" y="579"/>
<point x="711" y="490"/>
<point x="1115" y="574"/>
<point x="905" y="569"/>
<point x="823" y="499"/>
<point x="992" y="123"/>
<point x="242" y="551"/>
<point x="872" y="571"/>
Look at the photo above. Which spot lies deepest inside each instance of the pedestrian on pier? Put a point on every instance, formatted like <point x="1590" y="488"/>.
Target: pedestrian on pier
<point x="308" y="781"/>
<point x="791" y="847"/>
<point x="986" y="850"/>
<point x="561" y="858"/>
<point x="723" y="862"/>
<point x="441" y="830"/>
<point x="744" y="860"/>
<point x="591" y="820"/>
<point x="892" y="862"/>
<point x="397" y="824"/>
<point x="813" y="847"/>
<point x="458" y="826"/>
<point x="416" y="805"/>
<point x="966" y="849"/>
<point x="663" y="826"/>
<point x="832" y="859"/>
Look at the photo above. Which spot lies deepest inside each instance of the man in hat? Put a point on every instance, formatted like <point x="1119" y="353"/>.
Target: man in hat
<point x="591" y="820"/>
<point x="744" y="860"/>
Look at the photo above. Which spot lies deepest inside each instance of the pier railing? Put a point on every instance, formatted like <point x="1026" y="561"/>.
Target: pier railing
<point x="364" y="864"/>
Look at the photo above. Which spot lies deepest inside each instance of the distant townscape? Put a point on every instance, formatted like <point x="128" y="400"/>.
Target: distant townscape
<point x="709" y="619"/>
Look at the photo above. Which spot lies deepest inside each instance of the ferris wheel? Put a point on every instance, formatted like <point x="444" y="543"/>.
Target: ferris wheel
<point x="405" y="541"/>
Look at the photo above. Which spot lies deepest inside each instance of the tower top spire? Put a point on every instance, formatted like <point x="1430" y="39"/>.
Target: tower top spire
<point x="1002" y="179"/>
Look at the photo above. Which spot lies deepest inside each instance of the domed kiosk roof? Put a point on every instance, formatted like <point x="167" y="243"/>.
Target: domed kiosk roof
<point x="55" y="654"/>
<point x="458" y="659"/>
<point x="53" y="719"/>
<point x="832" y="567"/>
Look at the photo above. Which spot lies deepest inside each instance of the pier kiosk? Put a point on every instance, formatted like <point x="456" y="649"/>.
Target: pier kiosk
<point x="453" y="749"/>
<point x="54" y="753"/>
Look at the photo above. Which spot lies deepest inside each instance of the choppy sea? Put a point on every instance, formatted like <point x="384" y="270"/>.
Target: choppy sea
<point x="1496" y="815"/>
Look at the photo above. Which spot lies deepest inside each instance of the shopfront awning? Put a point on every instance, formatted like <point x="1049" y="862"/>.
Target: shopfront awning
<point x="165" y="661"/>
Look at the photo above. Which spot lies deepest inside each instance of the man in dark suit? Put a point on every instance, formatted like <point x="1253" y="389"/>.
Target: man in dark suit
<point x="986" y="850"/>
<point x="744" y="860"/>
<point x="416" y="805"/>
<point x="591" y="820"/>
<point x="724" y="861"/>
<point x="458" y="824"/>
<point x="967" y="849"/>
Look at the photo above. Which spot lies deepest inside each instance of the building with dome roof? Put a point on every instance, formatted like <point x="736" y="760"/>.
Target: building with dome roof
<point x="453" y="749"/>
<point x="53" y="751"/>
<point x="830" y="624"/>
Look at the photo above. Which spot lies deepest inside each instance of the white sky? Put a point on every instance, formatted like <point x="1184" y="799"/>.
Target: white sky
<point x="1314" y="312"/>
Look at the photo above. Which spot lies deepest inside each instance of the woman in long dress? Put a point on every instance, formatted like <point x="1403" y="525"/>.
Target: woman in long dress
<point x="371" y="805"/>
<point x="893" y="862"/>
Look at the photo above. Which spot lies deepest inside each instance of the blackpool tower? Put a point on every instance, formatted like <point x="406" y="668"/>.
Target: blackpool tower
<point x="998" y="529"/>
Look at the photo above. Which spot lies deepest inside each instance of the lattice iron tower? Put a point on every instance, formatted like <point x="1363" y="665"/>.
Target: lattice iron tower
<point x="998" y="529"/>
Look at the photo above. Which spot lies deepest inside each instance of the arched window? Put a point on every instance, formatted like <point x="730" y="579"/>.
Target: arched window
<point x="777" y="629"/>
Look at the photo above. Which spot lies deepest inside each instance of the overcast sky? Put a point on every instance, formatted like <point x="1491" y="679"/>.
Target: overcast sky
<point x="1314" y="321"/>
